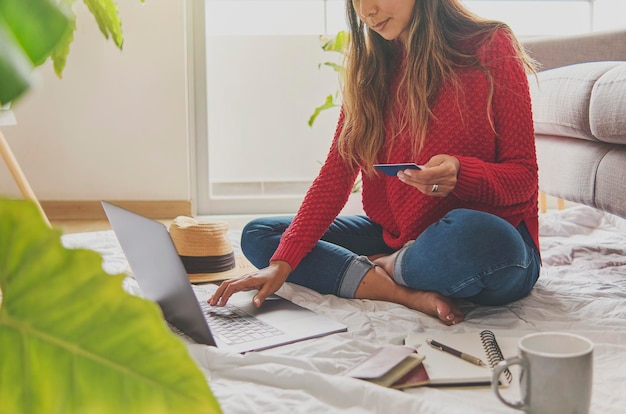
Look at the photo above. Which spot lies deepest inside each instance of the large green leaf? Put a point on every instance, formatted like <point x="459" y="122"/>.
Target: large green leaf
<point x="15" y="67"/>
<point x="29" y="30"/>
<point x="36" y="24"/>
<point x="73" y="341"/>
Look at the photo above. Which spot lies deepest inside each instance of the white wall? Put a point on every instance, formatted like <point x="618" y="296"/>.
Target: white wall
<point x="116" y="125"/>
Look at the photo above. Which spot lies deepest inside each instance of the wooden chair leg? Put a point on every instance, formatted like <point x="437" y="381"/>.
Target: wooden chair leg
<point x="18" y="175"/>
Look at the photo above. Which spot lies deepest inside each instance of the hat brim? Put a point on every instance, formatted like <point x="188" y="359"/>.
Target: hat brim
<point x="242" y="267"/>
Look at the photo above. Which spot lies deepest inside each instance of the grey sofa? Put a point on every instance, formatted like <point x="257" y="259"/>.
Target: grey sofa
<point x="579" y="109"/>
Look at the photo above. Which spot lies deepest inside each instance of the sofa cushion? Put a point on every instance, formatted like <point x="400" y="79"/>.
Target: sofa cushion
<point x="590" y="173"/>
<point x="585" y="100"/>
<point x="607" y="111"/>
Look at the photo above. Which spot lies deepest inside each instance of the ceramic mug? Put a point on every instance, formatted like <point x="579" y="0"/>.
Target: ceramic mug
<point x="556" y="373"/>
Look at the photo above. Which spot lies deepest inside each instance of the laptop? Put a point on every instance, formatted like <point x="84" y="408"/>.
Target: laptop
<point x="162" y="278"/>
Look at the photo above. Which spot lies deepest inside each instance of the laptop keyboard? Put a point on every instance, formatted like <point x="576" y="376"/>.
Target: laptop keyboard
<point x="234" y="326"/>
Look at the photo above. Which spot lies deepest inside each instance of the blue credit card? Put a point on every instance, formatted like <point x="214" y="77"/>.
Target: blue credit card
<point x="392" y="169"/>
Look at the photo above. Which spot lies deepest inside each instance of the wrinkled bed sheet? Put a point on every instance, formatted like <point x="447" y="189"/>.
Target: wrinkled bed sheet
<point x="582" y="289"/>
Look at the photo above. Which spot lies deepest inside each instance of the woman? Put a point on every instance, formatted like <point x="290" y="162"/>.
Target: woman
<point x="427" y="82"/>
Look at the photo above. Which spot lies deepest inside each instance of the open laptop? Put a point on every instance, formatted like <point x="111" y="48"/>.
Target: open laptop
<point x="162" y="278"/>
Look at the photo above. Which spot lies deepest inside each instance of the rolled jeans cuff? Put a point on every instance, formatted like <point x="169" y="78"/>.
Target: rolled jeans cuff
<point x="354" y="274"/>
<point x="397" y="266"/>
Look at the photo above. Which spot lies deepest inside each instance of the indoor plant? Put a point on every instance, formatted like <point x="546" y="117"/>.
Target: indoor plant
<point x="71" y="339"/>
<point x="31" y="31"/>
<point x="337" y="46"/>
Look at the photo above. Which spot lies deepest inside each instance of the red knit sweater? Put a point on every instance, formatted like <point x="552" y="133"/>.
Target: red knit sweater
<point x="498" y="171"/>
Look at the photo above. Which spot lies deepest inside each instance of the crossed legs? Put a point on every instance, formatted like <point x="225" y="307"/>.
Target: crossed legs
<point x="378" y="284"/>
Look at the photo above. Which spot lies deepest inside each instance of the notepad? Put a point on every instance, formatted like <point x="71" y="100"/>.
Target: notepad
<point x="446" y="369"/>
<point x="387" y="365"/>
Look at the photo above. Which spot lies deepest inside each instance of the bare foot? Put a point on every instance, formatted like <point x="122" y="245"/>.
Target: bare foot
<point x="435" y="304"/>
<point x="379" y="285"/>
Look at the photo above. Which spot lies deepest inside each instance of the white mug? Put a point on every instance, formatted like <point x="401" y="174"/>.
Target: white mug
<point x="556" y="373"/>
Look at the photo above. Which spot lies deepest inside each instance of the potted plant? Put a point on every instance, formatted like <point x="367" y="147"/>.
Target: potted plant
<point x="71" y="339"/>
<point x="337" y="45"/>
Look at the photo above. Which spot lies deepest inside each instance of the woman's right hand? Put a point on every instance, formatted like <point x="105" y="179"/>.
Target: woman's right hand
<point x="267" y="281"/>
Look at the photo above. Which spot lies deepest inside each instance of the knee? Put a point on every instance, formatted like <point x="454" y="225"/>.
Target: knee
<point x="252" y="227"/>
<point x="467" y="220"/>
<point x="478" y="228"/>
<point x="262" y="235"/>
<point x="251" y="233"/>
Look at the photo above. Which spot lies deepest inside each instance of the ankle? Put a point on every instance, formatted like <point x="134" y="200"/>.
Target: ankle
<point x="386" y="263"/>
<point x="378" y="285"/>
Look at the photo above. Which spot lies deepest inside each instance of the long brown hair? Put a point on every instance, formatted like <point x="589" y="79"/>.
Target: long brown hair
<point x="438" y="35"/>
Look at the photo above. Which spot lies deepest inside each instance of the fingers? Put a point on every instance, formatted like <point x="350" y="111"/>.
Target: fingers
<point x="263" y="293"/>
<point x="267" y="281"/>
<point x="438" y="178"/>
<point x="229" y="287"/>
<point x="433" y="187"/>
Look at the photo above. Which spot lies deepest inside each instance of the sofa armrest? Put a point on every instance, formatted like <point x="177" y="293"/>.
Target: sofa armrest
<point x="552" y="52"/>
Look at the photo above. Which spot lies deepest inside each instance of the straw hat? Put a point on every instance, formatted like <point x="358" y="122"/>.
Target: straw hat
<point x="206" y="250"/>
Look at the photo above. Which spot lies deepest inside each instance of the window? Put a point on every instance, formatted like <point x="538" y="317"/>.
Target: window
<point x="256" y="80"/>
<point x="263" y="81"/>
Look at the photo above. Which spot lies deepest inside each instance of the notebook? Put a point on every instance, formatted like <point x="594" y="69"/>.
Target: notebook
<point x="162" y="278"/>
<point x="446" y="369"/>
<point x="387" y="366"/>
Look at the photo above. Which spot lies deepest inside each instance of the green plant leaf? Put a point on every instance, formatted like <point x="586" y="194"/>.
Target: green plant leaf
<point x="329" y="103"/>
<point x="62" y="49"/>
<point x="29" y="30"/>
<point x="15" y="67"/>
<point x="37" y="25"/>
<point x="106" y="14"/>
<point x="340" y="69"/>
<point x="336" y="43"/>
<point x="73" y="341"/>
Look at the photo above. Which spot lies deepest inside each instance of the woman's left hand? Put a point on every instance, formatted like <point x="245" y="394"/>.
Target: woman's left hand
<point x="438" y="177"/>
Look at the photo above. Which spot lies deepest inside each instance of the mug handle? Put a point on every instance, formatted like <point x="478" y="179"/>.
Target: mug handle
<point x="495" y="381"/>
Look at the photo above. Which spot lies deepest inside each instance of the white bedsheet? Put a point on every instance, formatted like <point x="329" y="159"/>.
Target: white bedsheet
<point x="582" y="289"/>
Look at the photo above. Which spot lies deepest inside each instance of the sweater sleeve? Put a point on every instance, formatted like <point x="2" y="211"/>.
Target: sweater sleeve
<point x="512" y="178"/>
<point x="321" y="205"/>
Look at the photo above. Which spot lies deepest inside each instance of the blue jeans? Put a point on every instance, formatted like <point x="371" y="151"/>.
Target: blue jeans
<point x="468" y="255"/>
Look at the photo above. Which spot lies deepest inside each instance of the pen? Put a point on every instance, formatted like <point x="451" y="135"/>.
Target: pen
<point x="452" y="351"/>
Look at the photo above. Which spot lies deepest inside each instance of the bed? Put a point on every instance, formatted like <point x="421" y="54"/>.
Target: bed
<point x="582" y="289"/>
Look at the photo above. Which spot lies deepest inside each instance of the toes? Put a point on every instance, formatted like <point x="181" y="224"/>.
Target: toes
<point x="447" y="312"/>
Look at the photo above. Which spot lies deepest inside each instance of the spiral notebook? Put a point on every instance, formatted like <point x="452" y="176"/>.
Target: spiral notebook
<point x="446" y="369"/>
